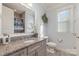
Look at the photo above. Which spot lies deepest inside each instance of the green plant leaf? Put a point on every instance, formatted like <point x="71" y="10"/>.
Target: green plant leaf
<point x="44" y="18"/>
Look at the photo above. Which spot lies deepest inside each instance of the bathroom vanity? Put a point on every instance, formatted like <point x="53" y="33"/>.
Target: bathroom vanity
<point x="24" y="47"/>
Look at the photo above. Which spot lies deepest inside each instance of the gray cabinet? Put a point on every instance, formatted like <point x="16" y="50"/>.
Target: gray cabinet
<point x="22" y="52"/>
<point x="33" y="53"/>
<point x="36" y="49"/>
<point x="42" y="50"/>
<point x="32" y="50"/>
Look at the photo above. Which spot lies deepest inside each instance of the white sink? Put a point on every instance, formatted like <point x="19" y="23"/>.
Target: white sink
<point x="29" y="41"/>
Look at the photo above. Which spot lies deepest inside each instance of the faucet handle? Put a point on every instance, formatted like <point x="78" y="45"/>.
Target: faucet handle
<point x="74" y="34"/>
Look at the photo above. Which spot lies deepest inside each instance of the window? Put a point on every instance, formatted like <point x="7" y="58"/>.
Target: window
<point x="64" y="20"/>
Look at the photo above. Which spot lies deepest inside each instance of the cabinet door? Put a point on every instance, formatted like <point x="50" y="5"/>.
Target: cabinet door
<point x="33" y="53"/>
<point x="42" y="49"/>
<point x="7" y="20"/>
<point x="38" y="49"/>
<point x="34" y="47"/>
<point x="39" y="52"/>
<point x="22" y="52"/>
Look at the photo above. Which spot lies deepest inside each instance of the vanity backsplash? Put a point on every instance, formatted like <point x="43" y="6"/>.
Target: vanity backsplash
<point x="5" y="39"/>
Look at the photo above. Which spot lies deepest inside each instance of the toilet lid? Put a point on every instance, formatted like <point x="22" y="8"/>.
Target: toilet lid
<point x="51" y="44"/>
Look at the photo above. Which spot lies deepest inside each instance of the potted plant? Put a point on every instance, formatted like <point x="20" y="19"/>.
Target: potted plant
<point x="44" y="18"/>
<point x="35" y="34"/>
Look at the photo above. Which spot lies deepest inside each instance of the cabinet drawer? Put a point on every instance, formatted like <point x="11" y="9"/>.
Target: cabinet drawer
<point x="20" y="53"/>
<point x="34" y="47"/>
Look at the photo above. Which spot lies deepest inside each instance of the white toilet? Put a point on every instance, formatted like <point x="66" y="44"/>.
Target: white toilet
<point x="51" y="44"/>
<point x="51" y="47"/>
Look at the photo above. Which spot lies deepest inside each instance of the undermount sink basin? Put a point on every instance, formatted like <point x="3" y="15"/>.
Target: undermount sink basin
<point x="29" y="41"/>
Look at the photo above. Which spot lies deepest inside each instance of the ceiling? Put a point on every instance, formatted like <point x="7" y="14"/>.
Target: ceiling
<point x="17" y="7"/>
<point x="53" y="5"/>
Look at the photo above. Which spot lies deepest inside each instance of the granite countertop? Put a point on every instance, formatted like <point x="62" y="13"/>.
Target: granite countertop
<point x="14" y="46"/>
